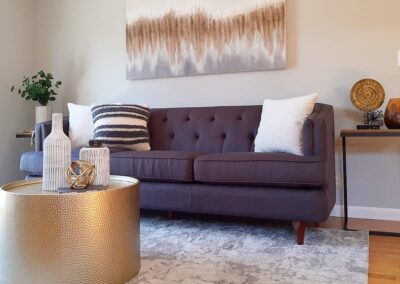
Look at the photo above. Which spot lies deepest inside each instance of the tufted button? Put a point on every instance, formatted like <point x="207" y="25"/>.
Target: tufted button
<point x="188" y="118"/>
<point x="196" y="136"/>
<point x="165" y="119"/>
<point x="212" y="118"/>
<point x="172" y="136"/>
<point x="224" y="136"/>
<point x="240" y="117"/>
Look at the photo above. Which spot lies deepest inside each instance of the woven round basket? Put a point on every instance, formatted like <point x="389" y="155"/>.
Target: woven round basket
<point x="367" y="95"/>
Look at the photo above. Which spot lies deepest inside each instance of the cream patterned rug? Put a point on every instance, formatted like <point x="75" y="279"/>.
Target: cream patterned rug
<point x="198" y="251"/>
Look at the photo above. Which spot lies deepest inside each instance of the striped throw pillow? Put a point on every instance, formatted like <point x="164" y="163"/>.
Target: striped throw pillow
<point x="122" y="125"/>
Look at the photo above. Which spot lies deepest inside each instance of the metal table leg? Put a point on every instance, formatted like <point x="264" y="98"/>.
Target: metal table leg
<point x="346" y="213"/>
<point x="346" y="209"/>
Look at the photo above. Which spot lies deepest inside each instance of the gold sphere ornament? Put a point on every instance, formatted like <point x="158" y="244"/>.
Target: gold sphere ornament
<point x="367" y="95"/>
<point x="81" y="174"/>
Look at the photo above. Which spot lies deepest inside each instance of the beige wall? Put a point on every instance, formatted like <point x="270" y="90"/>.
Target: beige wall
<point x="331" y="43"/>
<point x="16" y="44"/>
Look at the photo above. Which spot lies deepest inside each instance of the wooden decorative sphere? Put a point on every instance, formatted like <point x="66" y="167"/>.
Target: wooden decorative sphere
<point x="81" y="174"/>
<point x="367" y="95"/>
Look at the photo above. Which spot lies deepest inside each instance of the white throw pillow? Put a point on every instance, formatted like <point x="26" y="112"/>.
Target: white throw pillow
<point x="81" y="128"/>
<point x="281" y="126"/>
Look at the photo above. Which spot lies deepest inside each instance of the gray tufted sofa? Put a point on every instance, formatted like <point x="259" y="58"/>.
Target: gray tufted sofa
<point x="203" y="161"/>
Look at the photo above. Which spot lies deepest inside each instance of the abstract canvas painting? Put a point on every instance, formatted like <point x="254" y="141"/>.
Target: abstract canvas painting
<point x="167" y="38"/>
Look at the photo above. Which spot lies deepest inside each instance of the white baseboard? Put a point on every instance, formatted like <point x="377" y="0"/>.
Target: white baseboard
<point x="389" y="214"/>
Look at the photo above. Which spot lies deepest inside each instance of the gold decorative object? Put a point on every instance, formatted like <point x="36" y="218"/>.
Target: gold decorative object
<point x="90" y="237"/>
<point x="367" y="95"/>
<point x="392" y="114"/>
<point x="86" y="176"/>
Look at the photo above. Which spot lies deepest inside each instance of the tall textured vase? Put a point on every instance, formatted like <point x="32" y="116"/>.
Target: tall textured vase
<point x="392" y="114"/>
<point x="56" y="156"/>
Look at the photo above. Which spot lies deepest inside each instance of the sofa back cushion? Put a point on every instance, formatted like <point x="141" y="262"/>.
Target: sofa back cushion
<point x="205" y="129"/>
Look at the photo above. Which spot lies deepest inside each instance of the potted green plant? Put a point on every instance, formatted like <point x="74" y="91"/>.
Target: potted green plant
<point x="39" y="88"/>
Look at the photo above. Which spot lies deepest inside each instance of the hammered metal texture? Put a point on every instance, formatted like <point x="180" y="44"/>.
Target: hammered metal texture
<point x="70" y="238"/>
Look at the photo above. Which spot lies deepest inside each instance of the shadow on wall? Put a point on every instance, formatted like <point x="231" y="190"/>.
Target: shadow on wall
<point x="292" y="33"/>
<point x="73" y="73"/>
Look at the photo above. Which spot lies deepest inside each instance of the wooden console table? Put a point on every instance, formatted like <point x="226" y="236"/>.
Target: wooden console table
<point x="27" y="134"/>
<point x="348" y="133"/>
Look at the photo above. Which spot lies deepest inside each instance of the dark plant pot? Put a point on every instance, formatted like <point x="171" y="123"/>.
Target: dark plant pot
<point x="392" y="114"/>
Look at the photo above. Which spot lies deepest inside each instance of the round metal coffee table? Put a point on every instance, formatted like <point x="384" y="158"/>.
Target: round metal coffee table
<point x="90" y="237"/>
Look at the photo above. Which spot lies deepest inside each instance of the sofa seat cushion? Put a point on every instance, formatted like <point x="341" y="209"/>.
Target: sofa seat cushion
<point x="32" y="162"/>
<point x="173" y="166"/>
<point x="277" y="169"/>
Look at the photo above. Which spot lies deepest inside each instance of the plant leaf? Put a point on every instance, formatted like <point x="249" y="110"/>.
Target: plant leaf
<point x="40" y="88"/>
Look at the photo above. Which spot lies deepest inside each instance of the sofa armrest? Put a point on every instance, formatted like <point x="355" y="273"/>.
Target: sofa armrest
<point x="42" y="130"/>
<point x="319" y="132"/>
<point x="319" y="139"/>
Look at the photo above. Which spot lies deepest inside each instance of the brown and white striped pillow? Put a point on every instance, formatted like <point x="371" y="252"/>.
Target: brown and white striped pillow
<point x="122" y="125"/>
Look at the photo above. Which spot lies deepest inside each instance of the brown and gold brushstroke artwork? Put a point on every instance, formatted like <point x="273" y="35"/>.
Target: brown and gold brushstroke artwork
<point x="198" y="43"/>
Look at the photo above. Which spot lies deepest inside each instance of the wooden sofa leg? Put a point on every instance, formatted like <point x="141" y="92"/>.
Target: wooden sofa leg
<point x="171" y="215"/>
<point x="300" y="228"/>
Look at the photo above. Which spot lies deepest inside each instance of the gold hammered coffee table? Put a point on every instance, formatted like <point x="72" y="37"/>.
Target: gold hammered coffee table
<point x="90" y="237"/>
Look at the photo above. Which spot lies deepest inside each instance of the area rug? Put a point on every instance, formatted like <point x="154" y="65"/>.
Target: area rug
<point x="198" y="251"/>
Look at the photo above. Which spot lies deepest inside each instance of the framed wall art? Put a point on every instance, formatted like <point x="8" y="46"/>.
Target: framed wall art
<point x="168" y="38"/>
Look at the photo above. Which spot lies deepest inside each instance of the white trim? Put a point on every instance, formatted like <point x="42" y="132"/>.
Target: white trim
<point x="389" y="214"/>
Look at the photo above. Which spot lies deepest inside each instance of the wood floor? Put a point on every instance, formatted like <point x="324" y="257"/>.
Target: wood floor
<point x="384" y="260"/>
<point x="384" y="252"/>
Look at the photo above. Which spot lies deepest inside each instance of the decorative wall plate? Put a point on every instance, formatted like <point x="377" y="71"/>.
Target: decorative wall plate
<point x="367" y="95"/>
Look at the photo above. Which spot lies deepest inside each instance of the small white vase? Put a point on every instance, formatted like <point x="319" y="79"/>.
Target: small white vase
<point x="42" y="114"/>
<point x="100" y="157"/>
<point x="56" y="156"/>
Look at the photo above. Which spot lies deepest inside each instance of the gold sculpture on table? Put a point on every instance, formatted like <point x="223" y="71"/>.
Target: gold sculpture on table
<point x="86" y="176"/>
<point x="368" y="96"/>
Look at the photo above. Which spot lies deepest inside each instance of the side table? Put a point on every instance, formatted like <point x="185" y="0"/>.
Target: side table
<point x="90" y="237"/>
<point x="348" y="133"/>
<point x="27" y="134"/>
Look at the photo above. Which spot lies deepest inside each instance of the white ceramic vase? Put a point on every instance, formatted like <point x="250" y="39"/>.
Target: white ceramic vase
<point x="56" y="156"/>
<point x="100" y="157"/>
<point x="42" y="114"/>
